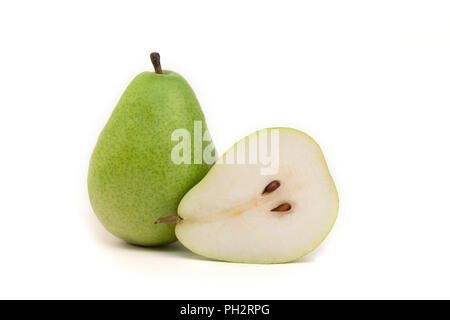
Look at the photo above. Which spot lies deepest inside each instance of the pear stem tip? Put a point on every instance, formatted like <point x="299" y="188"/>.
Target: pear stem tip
<point x="155" y="58"/>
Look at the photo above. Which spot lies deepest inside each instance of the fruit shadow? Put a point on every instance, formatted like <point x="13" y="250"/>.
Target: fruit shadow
<point x="310" y="257"/>
<point x="174" y="249"/>
<point x="177" y="249"/>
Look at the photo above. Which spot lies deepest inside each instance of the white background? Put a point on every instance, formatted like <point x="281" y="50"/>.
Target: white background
<point x="369" y="80"/>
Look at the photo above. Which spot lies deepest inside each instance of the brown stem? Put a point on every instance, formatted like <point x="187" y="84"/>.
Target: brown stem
<point x="154" y="56"/>
<point x="171" y="219"/>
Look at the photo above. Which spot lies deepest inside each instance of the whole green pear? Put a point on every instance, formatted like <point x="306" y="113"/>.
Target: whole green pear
<point x="132" y="178"/>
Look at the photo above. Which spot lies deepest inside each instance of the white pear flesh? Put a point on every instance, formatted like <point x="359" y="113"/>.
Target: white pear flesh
<point x="227" y="217"/>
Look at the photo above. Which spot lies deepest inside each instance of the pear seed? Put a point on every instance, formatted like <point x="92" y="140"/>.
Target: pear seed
<point x="282" y="208"/>
<point x="274" y="185"/>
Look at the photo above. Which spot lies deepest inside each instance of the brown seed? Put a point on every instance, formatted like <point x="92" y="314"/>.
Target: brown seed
<point x="282" y="208"/>
<point x="271" y="187"/>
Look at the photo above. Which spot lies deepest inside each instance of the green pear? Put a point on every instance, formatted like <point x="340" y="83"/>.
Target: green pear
<point x="255" y="208"/>
<point x="133" y="178"/>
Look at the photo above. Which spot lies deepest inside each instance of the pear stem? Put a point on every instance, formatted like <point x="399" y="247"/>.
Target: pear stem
<point x="171" y="219"/>
<point x="154" y="56"/>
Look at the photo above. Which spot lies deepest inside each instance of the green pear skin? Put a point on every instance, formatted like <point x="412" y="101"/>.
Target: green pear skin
<point x="132" y="180"/>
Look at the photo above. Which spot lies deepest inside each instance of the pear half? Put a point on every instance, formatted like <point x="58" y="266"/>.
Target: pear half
<point x="242" y="212"/>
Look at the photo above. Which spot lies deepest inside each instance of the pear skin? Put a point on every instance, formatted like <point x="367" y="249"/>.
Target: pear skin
<point x="132" y="179"/>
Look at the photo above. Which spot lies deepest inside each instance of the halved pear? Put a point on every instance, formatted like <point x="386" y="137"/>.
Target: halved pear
<point x="261" y="211"/>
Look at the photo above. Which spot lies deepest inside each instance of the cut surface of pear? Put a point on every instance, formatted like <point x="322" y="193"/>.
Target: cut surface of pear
<point x="238" y="214"/>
